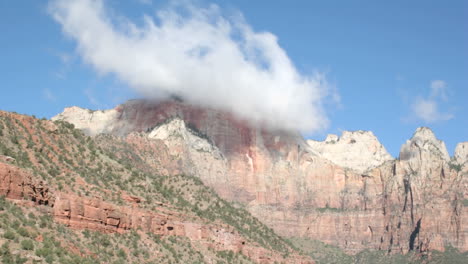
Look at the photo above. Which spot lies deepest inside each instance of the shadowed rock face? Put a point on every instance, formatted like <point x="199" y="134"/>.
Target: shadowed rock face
<point x="415" y="203"/>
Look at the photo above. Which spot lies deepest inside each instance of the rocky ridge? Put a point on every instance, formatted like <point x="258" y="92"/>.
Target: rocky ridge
<point x="357" y="150"/>
<point x="414" y="203"/>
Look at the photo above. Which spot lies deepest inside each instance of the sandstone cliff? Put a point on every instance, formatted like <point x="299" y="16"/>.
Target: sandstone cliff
<point x="414" y="203"/>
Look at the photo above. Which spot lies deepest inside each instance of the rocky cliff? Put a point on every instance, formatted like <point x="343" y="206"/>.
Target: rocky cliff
<point x="414" y="203"/>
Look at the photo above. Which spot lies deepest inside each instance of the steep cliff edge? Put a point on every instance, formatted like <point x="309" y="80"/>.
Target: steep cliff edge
<point x="415" y="203"/>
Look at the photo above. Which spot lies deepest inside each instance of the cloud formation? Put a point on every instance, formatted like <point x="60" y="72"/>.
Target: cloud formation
<point x="200" y="55"/>
<point x="427" y="109"/>
<point x="48" y="95"/>
<point x="439" y="90"/>
<point x="145" y="2"/>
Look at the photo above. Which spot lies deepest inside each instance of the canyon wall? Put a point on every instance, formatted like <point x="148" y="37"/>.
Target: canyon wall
<point x="309" y="189"/>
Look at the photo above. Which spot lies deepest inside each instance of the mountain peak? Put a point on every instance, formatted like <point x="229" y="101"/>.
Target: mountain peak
<point x="358" y="150"/>
<point x="461" y="153"/>
<point x="425" y="140"/>
<point x="424" y="133"/>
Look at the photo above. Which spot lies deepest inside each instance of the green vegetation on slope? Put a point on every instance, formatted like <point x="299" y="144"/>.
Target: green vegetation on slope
<point x="35" y="235"/>
<point x="70" y="161"/>
<point x="28" y="234"/>
<point x="327" y="254"/>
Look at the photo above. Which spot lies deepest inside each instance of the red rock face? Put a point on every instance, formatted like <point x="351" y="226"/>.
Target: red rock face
<point x="94" y="214"/>
<point x="16" y="183"/>
<point x="231" y="135"/>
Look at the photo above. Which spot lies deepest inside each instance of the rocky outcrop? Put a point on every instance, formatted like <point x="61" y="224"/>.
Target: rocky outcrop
<point x="195" y="153"/>
<point x="91" y="122"/>
<point x="423" y="148"/>
<point x="357" y="150"/>
<point x="94" y="214"/>
<point x="6" y="159"/>
<point x="461" y="153"/>
<point x="16" y="183"/>
<point x="414" y="203"/>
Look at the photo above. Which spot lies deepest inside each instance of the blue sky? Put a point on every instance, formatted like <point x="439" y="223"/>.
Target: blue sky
<point x="396" y="65"/>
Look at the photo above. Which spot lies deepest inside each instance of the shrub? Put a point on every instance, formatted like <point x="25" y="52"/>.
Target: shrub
<point x="27" y="244"/>
<point x="14" y="140"/>
<point x="23" y="232"/>
<point x="5" y="249"/>
<point x="455" y="166"/>
<point x="121" y="254"/>
<point x="465" y="202"/>
<point x="43" y="252"/>
<point x="49" y="259"/>
<point x="10" y="235"/>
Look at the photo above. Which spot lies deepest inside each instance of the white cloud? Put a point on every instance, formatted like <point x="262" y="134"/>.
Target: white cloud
<point x="439" y="90"/>
<point x="66" y="63"/>
<point x="91" y="97"/>
<point x="400" y="77"/>
<point x="48" y="95"/>
<point x="201" y="56"/>
<point x="428" y="109"/>
<point x="146" y="2"/>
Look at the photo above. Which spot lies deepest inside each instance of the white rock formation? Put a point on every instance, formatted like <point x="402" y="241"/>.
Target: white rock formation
<point x="461" y="153"/>
<point x="176" y="129"/>
<point x="357" y="150"/>
<point x="91" y="122"/>
<point x="199" y="156"/>
<point x="424" y="140"/>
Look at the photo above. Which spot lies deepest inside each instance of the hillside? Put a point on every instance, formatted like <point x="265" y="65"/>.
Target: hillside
<point x="98" y="200"/>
